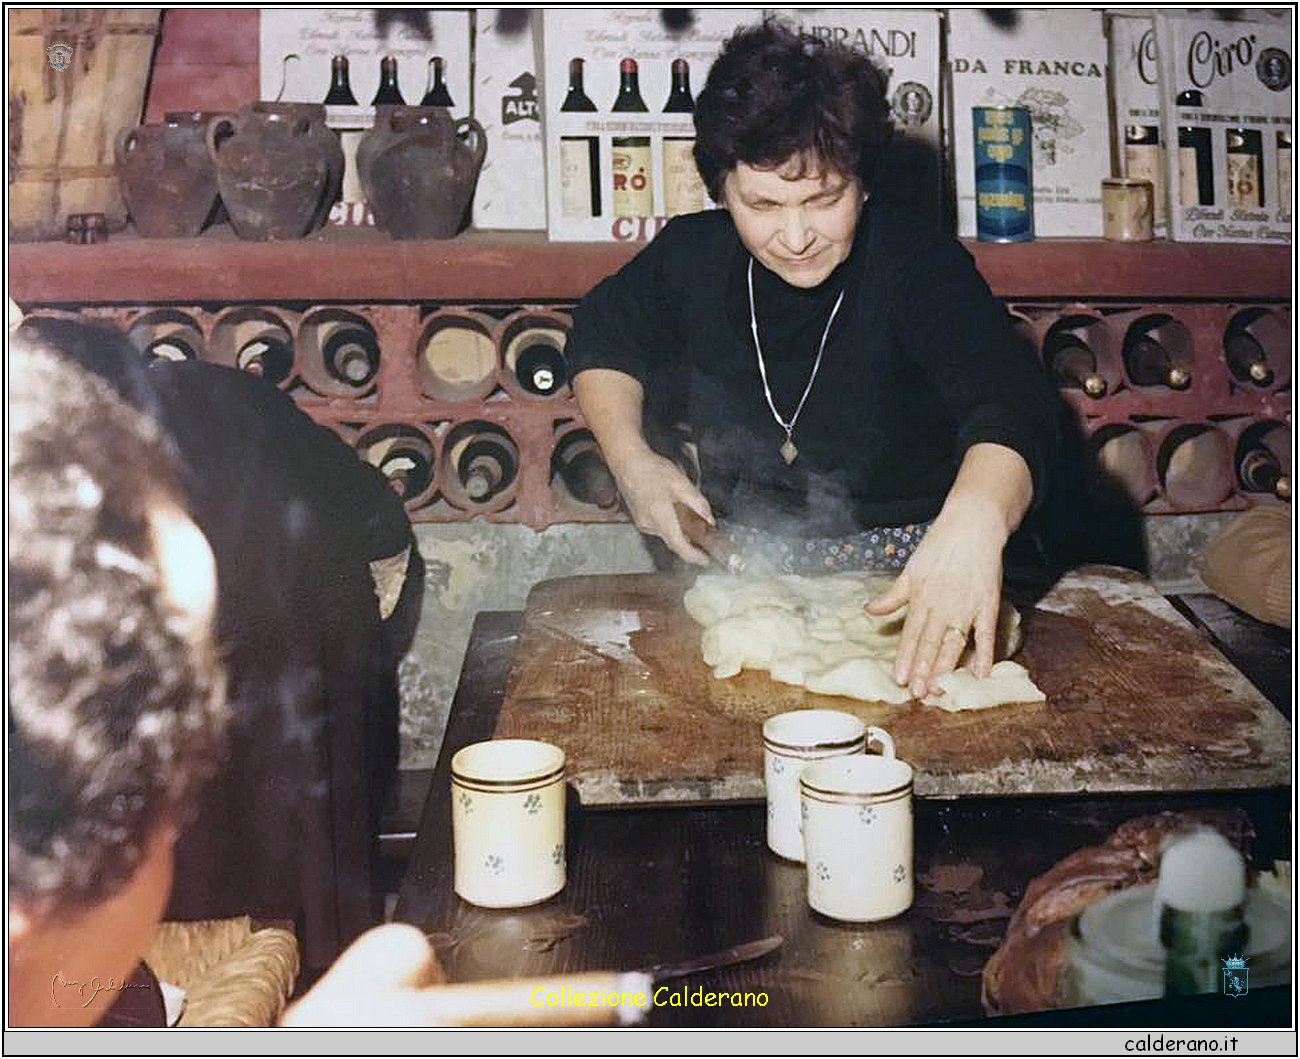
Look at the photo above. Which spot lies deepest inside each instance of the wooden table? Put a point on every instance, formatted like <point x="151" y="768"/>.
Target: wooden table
<point x="666" y="884"/>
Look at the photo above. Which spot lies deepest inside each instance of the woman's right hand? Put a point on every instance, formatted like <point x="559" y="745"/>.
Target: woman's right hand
<point x="611" y="402"/>
<point x="651" y="486"/>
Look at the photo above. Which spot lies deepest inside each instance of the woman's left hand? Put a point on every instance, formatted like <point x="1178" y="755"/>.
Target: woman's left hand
<point x="952" y="585"/>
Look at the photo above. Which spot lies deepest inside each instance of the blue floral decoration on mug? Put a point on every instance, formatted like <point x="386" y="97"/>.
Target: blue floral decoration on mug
<point x="532" y="804"/>
<point x="496" y="865"/>
<point x="900" y="873"/>
<point x="823" y="871"/>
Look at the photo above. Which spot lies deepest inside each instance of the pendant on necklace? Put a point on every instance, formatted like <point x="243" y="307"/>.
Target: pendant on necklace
<point x="789" y="451"/>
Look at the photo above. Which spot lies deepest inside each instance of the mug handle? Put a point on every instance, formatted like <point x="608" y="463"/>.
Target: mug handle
<point x="883" y="738"/>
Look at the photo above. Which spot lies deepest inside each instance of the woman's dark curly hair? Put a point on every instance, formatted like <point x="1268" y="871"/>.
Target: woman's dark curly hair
<point x="115" y="713"/>
<point x="776" y="94"/>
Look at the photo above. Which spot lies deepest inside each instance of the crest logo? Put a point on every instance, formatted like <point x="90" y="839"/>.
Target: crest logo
<point x="1236" y="976"/>
<point x="912" y="104"/>
<point x="59" y="56"/>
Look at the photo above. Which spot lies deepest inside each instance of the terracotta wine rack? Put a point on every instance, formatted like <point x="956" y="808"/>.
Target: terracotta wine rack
<point x="445" y="372"/>
<point x="1175" y="450"/>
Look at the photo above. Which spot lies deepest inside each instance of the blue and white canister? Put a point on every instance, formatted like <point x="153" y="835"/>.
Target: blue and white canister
<point x="1004" y="174"/>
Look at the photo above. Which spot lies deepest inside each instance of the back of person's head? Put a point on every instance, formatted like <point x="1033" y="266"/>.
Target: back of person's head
<point x="101" y="349"/>
<point x="775" y="93"/>
<point x="116" y="710"/>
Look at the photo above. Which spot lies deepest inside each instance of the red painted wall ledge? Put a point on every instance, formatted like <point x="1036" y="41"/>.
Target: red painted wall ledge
<point x="342" y="264"/>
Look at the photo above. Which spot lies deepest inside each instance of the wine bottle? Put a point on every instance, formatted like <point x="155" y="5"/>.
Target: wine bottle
<point x="1147" y="358"/>
<point x="577" y="100"/>
<point x="1195" y="157"/>
<point x="1259" y="470"/>
<point x="485" y="465"/>
<point x="1144" y="160"/>
<point x="1245" y="163"/>
<point x="168" y="340"/>
<point x="406" y="460"/>
<point x="435" y="93"/>
<point x="633" y="191"/>
<point x="340" y="93"/>
<point x="350" y="352"/>
<point x="1245" y="354"/>
<point x="580" y="466"/>
<point x="1073" y="363"/>
<point x="541" y="369"/>
<point x="263" y="347"/>
<point x="680" y="100"/>
<point x="579" y="155"/>
<point x="629" y="98"/>
<point x="683" y="189"/>
<point x="389" y="93"/>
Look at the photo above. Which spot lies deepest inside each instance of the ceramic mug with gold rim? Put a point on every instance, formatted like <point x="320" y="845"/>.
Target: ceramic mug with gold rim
<point x="857" y="827"/>
<point x="507" y="822"/>
<point x="790" y="742"/>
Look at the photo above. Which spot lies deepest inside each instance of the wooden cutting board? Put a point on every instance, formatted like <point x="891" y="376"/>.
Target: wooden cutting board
<point x="608" y="667"/>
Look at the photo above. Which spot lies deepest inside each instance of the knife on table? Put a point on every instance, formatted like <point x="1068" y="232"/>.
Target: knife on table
<point x="710" y="540"/>
<point x="572" y="999"/>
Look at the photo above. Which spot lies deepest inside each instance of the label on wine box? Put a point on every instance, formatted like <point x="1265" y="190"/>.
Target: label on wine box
<point x="1226" y="90"/>
<point x="297" y="45"/>
<point x="618" y="175"/>
<point x="1135" y="81"/>
<point x="1053" y="63"/>
<point x="507" y="105"/>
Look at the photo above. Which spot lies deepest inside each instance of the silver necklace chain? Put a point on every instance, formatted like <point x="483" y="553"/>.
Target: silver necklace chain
<point x="789" y="451"/>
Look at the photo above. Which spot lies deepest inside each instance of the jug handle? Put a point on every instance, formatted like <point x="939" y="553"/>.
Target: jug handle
<point x="126" y="141"/>
<point x="467" y="125"/>
<point x="211" y="130"/>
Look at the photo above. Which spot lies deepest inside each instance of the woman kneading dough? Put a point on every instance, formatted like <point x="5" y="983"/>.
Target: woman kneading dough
<point x="856" y="394"/>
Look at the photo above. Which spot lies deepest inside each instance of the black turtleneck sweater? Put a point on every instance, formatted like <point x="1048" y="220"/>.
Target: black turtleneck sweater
<point x="921" y="363"/>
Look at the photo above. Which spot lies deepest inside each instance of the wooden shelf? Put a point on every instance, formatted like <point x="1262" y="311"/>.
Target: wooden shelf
<point x="340" y="264"/>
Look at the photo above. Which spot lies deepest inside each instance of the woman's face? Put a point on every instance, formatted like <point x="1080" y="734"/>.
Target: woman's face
<point x="798" y="219"/>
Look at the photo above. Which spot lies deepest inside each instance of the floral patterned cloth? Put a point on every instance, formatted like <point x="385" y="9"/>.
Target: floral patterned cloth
<point x="883" y="548"/>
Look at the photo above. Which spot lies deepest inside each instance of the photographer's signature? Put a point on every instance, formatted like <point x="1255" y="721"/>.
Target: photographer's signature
<point x="72" y="993"/>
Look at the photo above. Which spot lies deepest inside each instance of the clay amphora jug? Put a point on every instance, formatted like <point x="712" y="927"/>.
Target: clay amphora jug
<point x="418" y="168"/>
<point x="278" y="168"/>
<point x="166" y="176"/>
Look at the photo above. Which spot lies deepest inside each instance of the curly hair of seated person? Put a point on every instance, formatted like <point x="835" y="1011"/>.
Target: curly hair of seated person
<point x="115" y="714"/>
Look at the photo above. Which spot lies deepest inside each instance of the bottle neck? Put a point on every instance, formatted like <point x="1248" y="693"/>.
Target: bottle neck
<point x="340" y="92"/>
<point x="389" y="92"/>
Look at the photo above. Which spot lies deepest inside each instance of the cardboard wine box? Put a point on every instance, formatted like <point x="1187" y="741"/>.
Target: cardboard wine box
<point x="297" y="45"/>
<point x="587" y="198"/>
<point x="1227" y="106"/>
<point x="511" y="193"/>
<point x="1052" y="62"/>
